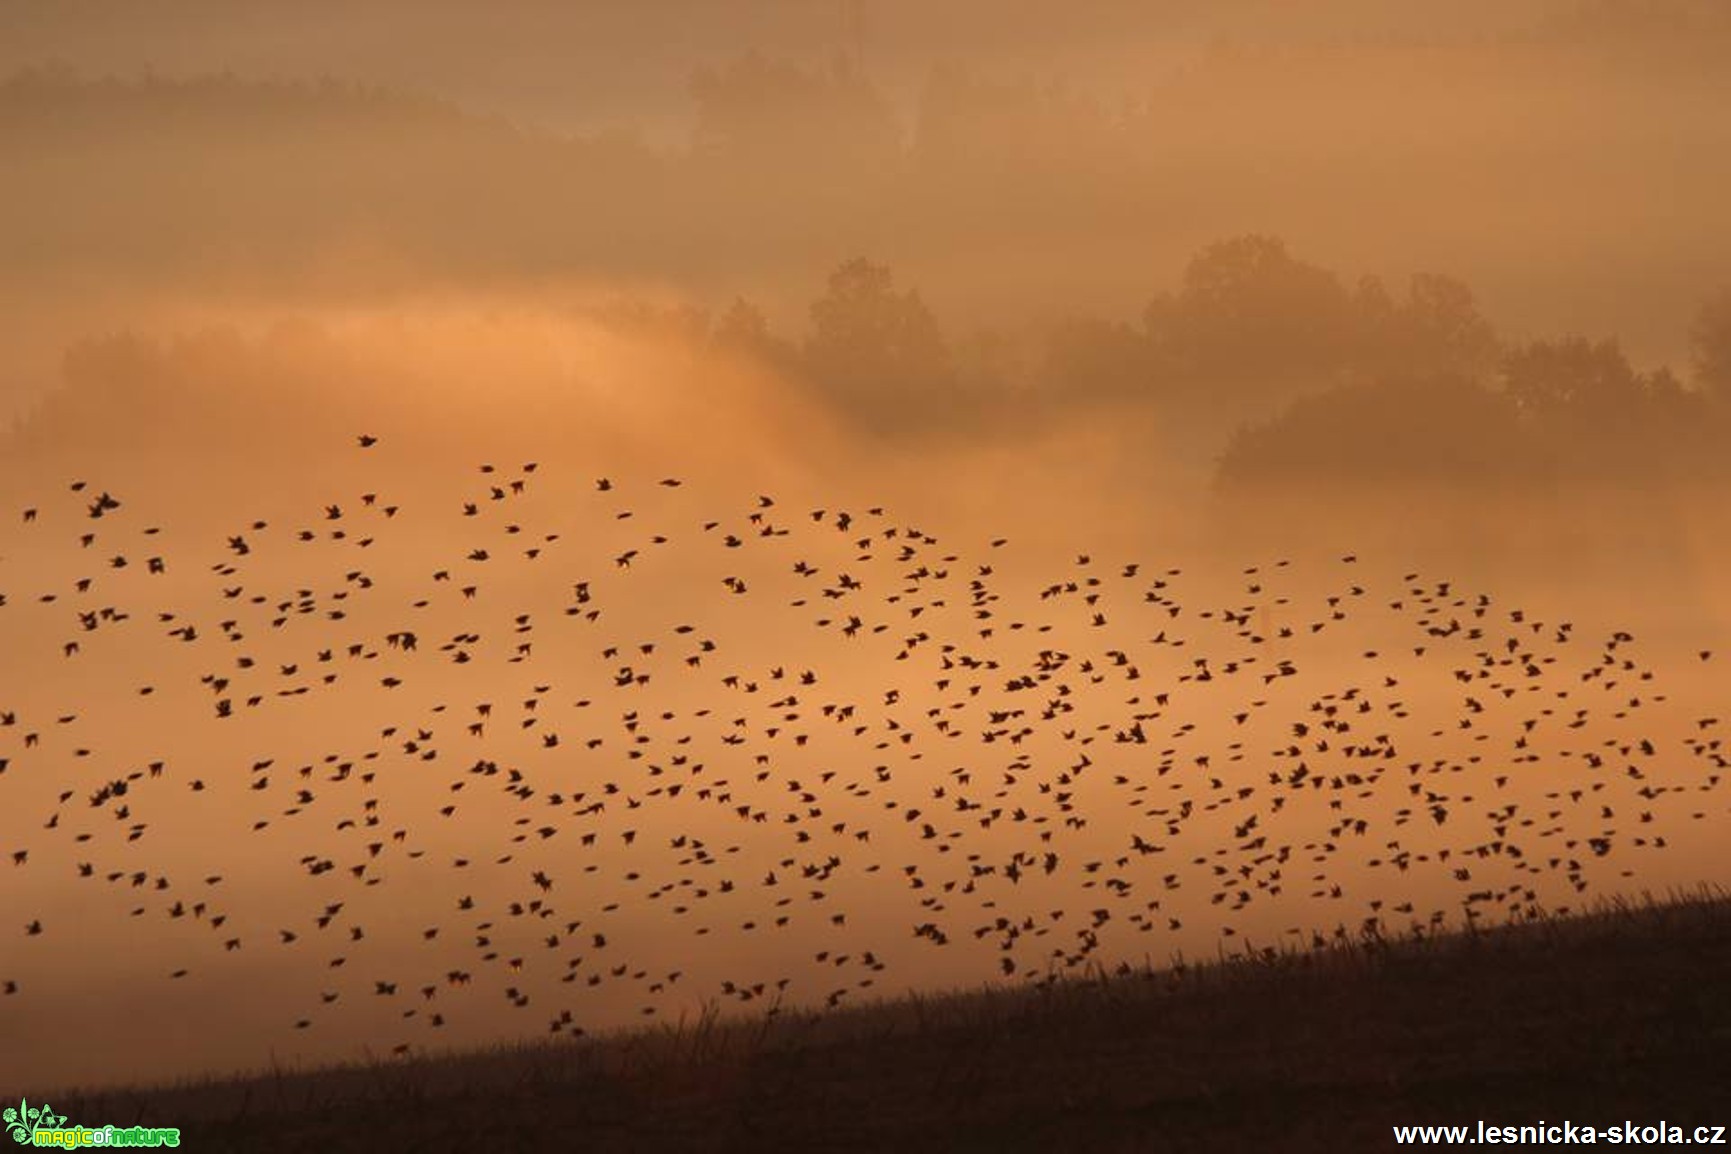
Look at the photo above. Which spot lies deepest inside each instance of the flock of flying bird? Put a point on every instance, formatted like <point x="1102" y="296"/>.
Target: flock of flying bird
<point x="809" y="743"/>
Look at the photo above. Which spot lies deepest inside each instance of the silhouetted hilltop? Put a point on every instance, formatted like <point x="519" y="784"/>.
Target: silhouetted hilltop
<point x="1597" y="1019"/>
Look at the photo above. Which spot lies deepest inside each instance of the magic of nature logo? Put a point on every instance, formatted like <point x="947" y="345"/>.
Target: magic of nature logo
<point x="40" y="1126"/>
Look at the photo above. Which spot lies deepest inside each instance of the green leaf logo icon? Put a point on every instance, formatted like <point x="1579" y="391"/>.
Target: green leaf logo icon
<point x="26" y="1120"/>
<point x="14" y="1126"/>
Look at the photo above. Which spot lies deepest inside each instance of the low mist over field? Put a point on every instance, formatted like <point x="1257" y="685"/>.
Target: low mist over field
<point x="540" y="519"/>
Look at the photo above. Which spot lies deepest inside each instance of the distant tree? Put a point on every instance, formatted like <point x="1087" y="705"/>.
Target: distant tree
<point x="1604" y="419"/>
<point x="1093" y="359"/>
<point x="1374" y="307"/>
<point x="1251" y="327"/>
<point x="1710" y="340"/>
<point x="742" y="324"/>
<point x="1573" y="379"/>
<point x="875" y="349"/>
<point x="744" y="329"/>
<point x="1436" y="330"/>
<point x="765" y="112"/>
<point x="1441" y="433"/>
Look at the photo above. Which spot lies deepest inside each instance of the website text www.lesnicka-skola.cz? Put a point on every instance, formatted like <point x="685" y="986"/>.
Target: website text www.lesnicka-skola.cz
<point x="1563" y="1134"/>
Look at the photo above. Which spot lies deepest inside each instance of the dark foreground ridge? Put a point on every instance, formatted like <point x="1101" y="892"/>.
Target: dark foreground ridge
<point x="1618" y="1015"/>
